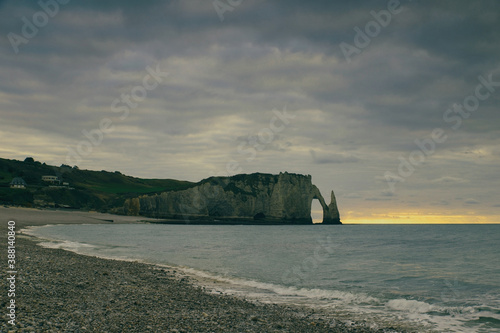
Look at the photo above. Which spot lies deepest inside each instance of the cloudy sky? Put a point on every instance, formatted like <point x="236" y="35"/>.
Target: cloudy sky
<point x="393" y="105"/>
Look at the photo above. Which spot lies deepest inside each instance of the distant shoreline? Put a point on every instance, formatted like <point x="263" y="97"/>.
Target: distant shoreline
<point x="234" y="221"/>
<point x="115" y="218"/>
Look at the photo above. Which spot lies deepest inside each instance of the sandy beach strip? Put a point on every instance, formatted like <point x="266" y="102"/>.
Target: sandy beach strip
<point x="60" y="291"/>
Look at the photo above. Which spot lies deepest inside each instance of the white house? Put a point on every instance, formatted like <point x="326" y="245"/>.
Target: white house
<point x="51" y="179"/>
<point x="18" y="182"/>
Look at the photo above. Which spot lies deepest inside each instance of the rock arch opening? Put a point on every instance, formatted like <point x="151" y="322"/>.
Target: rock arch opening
<point x="316" y="211"/>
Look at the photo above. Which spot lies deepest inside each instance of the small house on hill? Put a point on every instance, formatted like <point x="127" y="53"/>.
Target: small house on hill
<point x="18" y="182"/>
<point x="51" y="179"/>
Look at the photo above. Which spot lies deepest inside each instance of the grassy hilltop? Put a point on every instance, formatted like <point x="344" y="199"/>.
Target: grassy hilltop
<point x="79" y="189"/>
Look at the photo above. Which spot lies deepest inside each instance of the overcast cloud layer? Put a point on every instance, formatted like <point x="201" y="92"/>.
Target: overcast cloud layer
<point x="266" y="89"/>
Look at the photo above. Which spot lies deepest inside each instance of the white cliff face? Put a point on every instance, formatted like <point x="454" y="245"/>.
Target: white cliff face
<point x="275" y="198"/>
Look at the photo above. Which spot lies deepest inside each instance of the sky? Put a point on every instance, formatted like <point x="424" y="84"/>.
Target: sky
<point x="394" y="105"/>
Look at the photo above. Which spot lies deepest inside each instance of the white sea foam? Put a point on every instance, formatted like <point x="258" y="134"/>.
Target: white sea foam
<point x="67" y="245"/>
<point x="32" y="230"/>
<point x="411" y="306"/>
<point x="72" y="246"/>
<point x="357" y="306"/>
<point x="53" y="243"/>
<point x="35" y="231"/>
<point x="316" y="294"/>
<point x="360" y="306"/>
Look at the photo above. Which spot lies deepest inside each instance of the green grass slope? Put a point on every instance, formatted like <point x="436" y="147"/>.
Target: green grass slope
<point x="90" y="190"/>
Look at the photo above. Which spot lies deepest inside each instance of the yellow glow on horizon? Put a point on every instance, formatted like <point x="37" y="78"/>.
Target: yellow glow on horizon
<point x="413" y="218"/>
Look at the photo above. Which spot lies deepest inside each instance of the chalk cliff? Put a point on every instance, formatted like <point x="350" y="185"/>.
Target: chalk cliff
<point x="255" y="198"/>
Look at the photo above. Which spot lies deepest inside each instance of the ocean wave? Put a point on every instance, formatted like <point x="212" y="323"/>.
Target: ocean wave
<point x="319" y="294"/>
<point x="67" y="245"/>
<point x="412" y="306"/>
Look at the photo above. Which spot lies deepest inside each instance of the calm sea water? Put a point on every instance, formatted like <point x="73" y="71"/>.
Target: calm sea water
<point x="444" y="277"/>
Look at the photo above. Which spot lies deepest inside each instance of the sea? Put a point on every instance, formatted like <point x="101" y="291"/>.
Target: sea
<point x="430" y="278"/>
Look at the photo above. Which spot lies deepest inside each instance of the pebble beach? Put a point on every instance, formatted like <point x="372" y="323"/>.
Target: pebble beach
<point x="60" y="291"/>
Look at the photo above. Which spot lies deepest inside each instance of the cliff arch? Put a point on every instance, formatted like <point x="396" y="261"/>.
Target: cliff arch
<point x="330" y="212"/>
<point x="246" y="198"/>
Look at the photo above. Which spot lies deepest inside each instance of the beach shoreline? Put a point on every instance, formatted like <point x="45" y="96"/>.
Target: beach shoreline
<point x="61" y="291"/>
